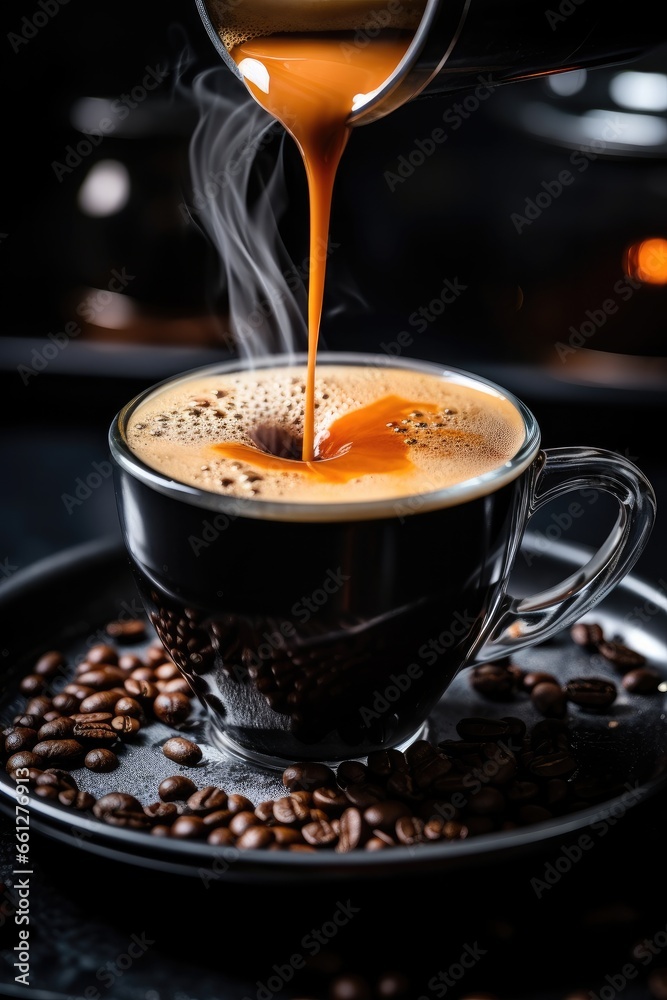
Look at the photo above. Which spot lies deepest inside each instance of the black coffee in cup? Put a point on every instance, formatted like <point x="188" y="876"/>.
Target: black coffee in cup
<point x="320" y="609"/>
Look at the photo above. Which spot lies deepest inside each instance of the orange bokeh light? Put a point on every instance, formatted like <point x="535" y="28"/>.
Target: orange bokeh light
<point x="646" y="261"/>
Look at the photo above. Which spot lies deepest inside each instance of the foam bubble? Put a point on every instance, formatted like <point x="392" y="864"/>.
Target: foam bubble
<point x="244" y="20"/>
<point x="459" y="433"/>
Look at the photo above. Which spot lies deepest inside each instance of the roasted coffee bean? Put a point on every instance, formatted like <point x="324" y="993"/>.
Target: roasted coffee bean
<point x="534" y="677"/>
<point x="57" y="729"/>
<point x="162" y="812"/>
<point x="167" y="671"/>
<point x="129" y="661"/>
<point x="65" y="703"/>
<point x="65" y="750"/>
<point x="27" y="721"/>
<point x="172" y="707"/>
<point x="132" y="630"/>
<point x="20" y="738"/>
<point x="219" y="817"/>
<point x="330" y="799"/>
<point x="101" y="759"/>
<point x="534" y="813"/>
<point x="182" y="751"/>
<point x="621" y="657"/>
<point x="239" y="803"/>
<point x="553" y="765"/>
<point x="320" y="833"/>
<point x="221" y="837"/>
<point x="482" y="729"/>
<point x="176" y="788"/>
<point x="587" y="634"/>
<point x="38" y="705"/>
<point x="366" y="794"/>
<point x="351" y="772"/>
<point x="144" y="673"/>
<point x="242" y="821"/>
<point x="255" y="838"/>
<point x="99" y="701"/>
<point x="492" y="681"/>
<point x="549" y="699"/>
<point x="142" y="691"/>
<point x="60" y="775"/>
<point x="289" y="811"/>
<point x="121" y="809"/>
<point x="307" y="776"/>
<point x="102" y="652"/>
<point x="354" y="831"/>
<point x="409" y="830"/>
<point x="49" y="664"/>
<point x="125" y="725"/>
<point x="642" y="680"/>
<point x="591" y="692"/>
<point x="23" y="759"/>
<point x="486" y="802"/>
<point x="384" y="815"/>
<point x="76" y="799"/>
<point x="31" y="684"/>
<point x="97" y="732"/>
<point x="103" y="677"/>
<point x="189" y="828"/>
<point x="129" y="706"/>
<point x="207" y="800"/>
<point x="382" y="763"/>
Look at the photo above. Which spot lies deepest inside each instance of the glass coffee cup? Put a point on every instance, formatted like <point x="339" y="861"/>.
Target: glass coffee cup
<point x="325" y="620"/>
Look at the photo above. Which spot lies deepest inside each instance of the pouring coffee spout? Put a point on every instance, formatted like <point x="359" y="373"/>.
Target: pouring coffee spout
<point x="457" y="45"/>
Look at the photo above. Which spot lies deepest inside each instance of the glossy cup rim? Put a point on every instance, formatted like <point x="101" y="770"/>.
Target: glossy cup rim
<point x="294" y="510"/>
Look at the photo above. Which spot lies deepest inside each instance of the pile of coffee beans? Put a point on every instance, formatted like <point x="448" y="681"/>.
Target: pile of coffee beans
<point x="497" y="774"/>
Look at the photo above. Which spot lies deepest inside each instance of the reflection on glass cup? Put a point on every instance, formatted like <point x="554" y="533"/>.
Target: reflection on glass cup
<point x="328" y="629"/>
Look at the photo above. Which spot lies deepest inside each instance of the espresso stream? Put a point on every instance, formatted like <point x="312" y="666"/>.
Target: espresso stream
<point x="311" y="84"/>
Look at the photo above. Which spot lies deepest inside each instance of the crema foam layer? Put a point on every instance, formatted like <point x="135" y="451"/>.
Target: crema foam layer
<point x="244" y="20"/>
<point x="380" y="433"/>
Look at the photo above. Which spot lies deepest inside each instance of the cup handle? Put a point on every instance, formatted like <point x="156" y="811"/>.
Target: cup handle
<point x="519" y="622"/>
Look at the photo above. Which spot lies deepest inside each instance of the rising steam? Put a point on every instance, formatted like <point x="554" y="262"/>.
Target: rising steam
<point x="237" y="197"/>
